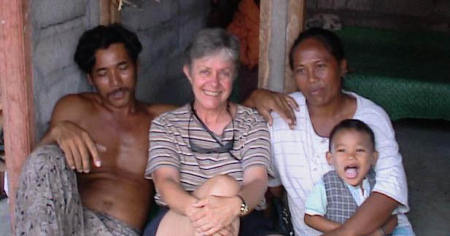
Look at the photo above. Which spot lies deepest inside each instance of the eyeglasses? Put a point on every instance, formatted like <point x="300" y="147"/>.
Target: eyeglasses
<point x="223" y="148"/>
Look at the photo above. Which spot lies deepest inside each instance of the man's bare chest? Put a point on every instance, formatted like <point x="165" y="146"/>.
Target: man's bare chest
<point x="125" y="143"/>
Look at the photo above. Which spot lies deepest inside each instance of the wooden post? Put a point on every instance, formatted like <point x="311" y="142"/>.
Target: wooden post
<point x="109" y="12"/>
<point x="265" y="16"/>
<point x="280" y="23"/>
<point x="16" y="86"/>
<point x="295" y="25"/>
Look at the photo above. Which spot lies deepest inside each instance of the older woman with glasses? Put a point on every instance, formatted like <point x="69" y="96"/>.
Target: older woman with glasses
<point x="209" y="159"/>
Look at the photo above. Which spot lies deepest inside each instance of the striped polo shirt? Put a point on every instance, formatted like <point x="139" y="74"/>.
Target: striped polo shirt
<point x="169" y="146"/>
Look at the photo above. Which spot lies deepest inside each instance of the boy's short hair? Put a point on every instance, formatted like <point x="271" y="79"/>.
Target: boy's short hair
<point x="352" y="124"/>
<point x="101" y="37"/>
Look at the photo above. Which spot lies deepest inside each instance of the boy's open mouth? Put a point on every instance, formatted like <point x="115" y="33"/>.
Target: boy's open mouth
<point x="351" y="171"/>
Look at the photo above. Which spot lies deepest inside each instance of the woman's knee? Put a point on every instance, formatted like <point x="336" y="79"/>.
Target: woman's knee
<point x="224" y="185"/>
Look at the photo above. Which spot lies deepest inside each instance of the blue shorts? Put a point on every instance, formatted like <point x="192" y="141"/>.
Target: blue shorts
<point x="152" y="227"/>
<point x="403" y="231"/>
<point x="254" y="224"/>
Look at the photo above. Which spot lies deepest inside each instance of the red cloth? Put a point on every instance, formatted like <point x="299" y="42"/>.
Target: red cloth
<point x="245" y="26"/>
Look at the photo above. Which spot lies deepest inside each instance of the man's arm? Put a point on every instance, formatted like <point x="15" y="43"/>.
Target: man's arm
<point x="369" y="217"/>
<point x="320" y="223"/>
<point x="76" y="143"/>
<point x="266" y="101"/>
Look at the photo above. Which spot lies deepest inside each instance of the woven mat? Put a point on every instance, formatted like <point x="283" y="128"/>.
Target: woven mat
<point x="407" y="73"/>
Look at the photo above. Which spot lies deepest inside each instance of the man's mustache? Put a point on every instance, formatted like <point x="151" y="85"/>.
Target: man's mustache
<point x="123" y="89"/>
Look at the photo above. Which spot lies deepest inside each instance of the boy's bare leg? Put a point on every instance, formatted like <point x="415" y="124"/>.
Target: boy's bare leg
<point x="177" y="224"/>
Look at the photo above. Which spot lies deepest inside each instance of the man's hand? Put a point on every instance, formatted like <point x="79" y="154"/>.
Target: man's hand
<point x="266" y="101"/>
<point x="215" y="214"/>
<point x="77" y="145"/>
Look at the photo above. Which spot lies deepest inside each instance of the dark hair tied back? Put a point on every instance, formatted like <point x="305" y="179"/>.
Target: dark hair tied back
<point x="328" y="38"/>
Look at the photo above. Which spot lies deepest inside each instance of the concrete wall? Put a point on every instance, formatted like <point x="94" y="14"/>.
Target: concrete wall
<point x="165" y="29"/>
<point x="56" y="27"/>
<point x="395" y="14"/>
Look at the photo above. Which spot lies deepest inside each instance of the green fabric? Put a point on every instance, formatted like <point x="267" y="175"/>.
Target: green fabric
<point x="407" y="73"/>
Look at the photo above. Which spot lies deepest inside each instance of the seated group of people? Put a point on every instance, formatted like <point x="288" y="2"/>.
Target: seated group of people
<point x="211" y="161"/>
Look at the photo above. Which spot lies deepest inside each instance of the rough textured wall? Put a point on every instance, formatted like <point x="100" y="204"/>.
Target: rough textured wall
<point x="402" y="14"/>
<point x="56" y="27"/>
<point x="165" y="29"/>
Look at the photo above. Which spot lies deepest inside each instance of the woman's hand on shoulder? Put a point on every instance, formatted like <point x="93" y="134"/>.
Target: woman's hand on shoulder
<point x="266" y="101"/>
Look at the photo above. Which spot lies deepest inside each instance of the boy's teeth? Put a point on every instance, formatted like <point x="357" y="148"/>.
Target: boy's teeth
<point x="351" y="172"/>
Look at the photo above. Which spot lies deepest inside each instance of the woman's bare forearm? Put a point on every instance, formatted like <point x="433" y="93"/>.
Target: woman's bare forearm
<point x="254" y="186"/>
<point x="370" y="216"/>
<point x="390" y="225"/>
<point x="173" y="194"/>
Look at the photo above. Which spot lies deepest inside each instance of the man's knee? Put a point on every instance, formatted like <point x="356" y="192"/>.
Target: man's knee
<point x="45" y="158"/>
<point x="224" y="185"/>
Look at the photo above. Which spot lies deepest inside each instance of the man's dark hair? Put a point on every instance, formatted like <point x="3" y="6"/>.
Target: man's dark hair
<point x="328" y="38"/>
<point x="101" y="37"/>
<point x="352" y="124"/>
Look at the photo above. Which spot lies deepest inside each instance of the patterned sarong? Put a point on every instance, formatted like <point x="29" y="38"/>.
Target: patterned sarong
<point x="48" y="202"/>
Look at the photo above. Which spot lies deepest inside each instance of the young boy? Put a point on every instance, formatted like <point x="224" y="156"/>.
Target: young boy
<point x="341" y="191"/>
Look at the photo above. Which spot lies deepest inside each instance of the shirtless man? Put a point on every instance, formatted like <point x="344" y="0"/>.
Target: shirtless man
<point x="104" y="137"/>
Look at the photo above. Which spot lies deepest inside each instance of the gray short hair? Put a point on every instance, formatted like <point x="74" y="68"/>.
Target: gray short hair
<point x="212" y="40"/>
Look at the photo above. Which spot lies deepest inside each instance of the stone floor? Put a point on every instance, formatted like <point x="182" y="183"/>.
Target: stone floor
<point x="425" y="146"/>
<point x="4" y="217"/>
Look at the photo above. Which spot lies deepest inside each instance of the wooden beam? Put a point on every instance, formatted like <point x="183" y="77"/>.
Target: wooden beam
<point x="280" y="23"/>
<point x="295" y="25"/>
<point x="109" y="12"/>
<point x="16" y="86"/>
<point x="265" y="23"/>
<point x="273" y="41"/>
